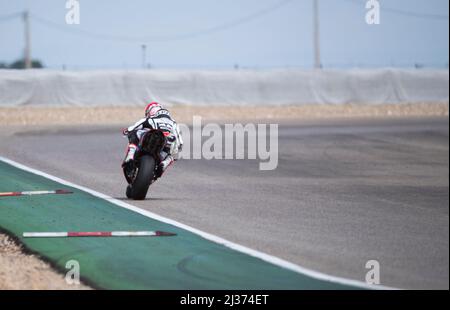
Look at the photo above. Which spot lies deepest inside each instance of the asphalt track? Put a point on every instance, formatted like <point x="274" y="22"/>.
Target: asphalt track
<point x="345" y="192"/>
<point x="181" y="261"/>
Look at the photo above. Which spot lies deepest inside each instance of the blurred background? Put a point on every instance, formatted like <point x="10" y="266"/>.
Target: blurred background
<point x="205" y="34"/>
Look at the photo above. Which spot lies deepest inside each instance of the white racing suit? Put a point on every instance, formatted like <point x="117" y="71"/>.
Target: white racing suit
<point x="161" y="121"/>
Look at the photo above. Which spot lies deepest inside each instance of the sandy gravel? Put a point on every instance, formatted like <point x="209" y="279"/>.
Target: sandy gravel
<point x="183" y="114"/>
<point x="21" y="271"/>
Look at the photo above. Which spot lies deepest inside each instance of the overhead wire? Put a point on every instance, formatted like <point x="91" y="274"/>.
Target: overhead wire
<point x="165" y="38"/>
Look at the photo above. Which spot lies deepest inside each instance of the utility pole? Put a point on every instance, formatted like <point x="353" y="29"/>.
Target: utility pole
<point x="317" y="61"/>
<point x="27" y="52"/>
<point x="144" y="56"/>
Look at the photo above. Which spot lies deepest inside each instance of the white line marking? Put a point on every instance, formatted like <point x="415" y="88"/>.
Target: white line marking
<point x="237" y="247"/>
<point x="45" y="235"/>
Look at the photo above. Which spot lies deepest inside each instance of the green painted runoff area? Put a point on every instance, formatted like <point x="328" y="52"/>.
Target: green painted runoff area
<point x="185" y="261"/>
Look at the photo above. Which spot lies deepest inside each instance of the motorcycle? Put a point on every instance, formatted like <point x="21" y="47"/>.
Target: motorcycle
<point x="143" y="170"/>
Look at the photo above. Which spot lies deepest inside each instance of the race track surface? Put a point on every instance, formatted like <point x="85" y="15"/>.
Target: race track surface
<point x="345" y="192"/>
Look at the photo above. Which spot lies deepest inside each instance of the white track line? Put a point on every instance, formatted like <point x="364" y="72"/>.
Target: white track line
<point x="237" y="247"/>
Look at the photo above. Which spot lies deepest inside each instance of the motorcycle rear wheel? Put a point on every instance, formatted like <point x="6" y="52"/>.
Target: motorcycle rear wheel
<point x="146" y="173"/>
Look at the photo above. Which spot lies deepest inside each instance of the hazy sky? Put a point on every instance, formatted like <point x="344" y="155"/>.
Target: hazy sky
<point x="282" y="37"/>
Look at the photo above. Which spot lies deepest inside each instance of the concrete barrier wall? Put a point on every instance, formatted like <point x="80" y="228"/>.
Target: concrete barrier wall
<point x="239" y="87"/>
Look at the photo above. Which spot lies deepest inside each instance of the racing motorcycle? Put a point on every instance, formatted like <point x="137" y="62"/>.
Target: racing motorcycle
<point x="143" y="170"/>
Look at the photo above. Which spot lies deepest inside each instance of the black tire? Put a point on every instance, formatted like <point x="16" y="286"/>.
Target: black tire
<point x="129" y="192"/>
<point x="144" y="178"/>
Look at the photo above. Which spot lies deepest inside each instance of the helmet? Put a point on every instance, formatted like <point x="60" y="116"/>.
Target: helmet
<point x="152" y="108"/>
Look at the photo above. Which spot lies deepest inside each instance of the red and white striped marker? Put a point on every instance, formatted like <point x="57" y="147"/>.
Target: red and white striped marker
<point x="30" y="193"/>
<point x="98" y="234"/>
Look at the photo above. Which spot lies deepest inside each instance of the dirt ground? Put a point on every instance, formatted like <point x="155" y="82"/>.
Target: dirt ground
<point x="19" y="270"/>
<point x="23" y="116"/>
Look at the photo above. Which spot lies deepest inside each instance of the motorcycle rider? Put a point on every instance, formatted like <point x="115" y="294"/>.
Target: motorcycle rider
<point x="156" y="117"/>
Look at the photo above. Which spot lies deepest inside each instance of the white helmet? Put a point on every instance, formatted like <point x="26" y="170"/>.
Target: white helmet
<point x="152" y="108"/>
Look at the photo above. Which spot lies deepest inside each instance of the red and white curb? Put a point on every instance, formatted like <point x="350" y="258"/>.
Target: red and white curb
<point x="97" y="234"/>
<point x="31" y="193"/>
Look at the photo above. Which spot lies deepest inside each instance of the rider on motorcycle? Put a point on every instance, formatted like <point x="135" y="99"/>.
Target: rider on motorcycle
<point x="156" y="117"/>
